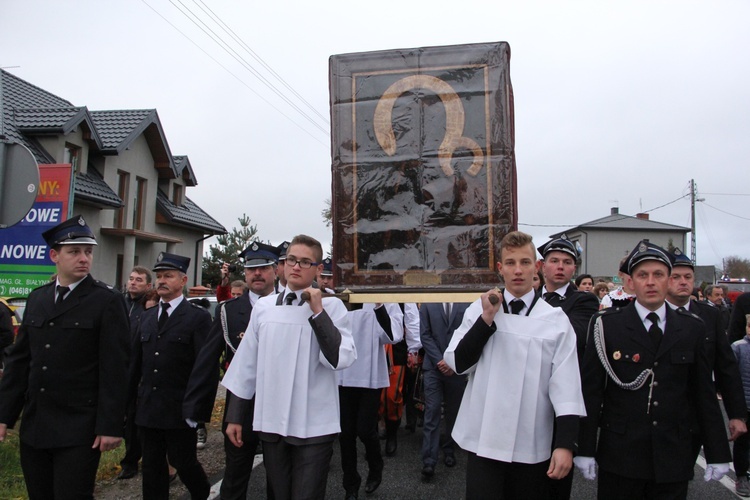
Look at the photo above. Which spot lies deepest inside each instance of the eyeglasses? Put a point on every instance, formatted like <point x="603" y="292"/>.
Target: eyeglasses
<point x="292" y="261"/>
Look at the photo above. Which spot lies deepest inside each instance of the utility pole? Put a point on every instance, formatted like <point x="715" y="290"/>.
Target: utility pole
<point x="693" y="200"/>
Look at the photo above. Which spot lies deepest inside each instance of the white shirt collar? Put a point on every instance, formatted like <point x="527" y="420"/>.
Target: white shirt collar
<point x="528" y="298"/>
<point x="172" y="303"/>
<point x="643" y="312"/>
<point x="560" y="291"/>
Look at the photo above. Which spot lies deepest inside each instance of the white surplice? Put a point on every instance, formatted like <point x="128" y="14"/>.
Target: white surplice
<point x="527" y="373"/>
<point x="279" y="361"/>
<point x="371" y="368"/>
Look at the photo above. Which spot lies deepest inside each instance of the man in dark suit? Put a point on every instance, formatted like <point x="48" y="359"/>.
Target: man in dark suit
<point x="230" y="323"/>
<point x="139" y="283"/>
<point x="559" y="265"/>
<point x="66" y="371"/>
<point x="647" y="387"/>
<point x="437" y="322"/>
<point x="559" y="260"/>
<point x="170" y="335"/>
<point x="719" y="353"/>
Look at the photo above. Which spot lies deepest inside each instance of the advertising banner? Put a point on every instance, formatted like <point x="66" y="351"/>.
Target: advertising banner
<point x="24" y="256"/>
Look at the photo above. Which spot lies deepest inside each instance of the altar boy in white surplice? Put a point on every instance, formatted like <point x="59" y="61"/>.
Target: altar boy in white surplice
<point x="287" y="360"/>
<point x="520" y="354"/>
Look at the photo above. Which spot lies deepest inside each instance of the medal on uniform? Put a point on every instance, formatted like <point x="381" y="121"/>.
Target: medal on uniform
<point x="240" y="335"/>
<point x="616" y="355"/>
<point x="636" y="357"/>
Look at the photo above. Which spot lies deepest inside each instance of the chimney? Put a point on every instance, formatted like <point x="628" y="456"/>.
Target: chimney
<point x="643" y="216"/>
<point x="614" y="211"/>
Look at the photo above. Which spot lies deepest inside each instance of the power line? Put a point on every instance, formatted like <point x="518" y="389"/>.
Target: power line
<point x="608" y="221"/>
<point x="216" y="38"/>
<point x="258" y="58"/>
<point x="727" y="194"/>
<point x="233" y="75"/>
<point x="725" y="212"/>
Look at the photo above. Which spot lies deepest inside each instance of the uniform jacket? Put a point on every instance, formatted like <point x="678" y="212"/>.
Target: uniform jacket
<point x="162" y="366"/>
<point x="639" y="440"/>
<point x="436" y="330"/>
<point x="579" y="307"/>
<point x="204" y="379"/>
<point x="67" y="366"/>
<point x="721" y="360"/>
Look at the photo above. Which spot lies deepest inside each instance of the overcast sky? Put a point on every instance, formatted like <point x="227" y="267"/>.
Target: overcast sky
<point x="617" y="103"/>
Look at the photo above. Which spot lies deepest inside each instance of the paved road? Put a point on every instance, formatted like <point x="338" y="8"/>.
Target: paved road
<point x="402" y="478"/>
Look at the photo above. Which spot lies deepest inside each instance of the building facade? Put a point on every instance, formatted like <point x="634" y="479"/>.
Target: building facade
<point x="127" y="184"/>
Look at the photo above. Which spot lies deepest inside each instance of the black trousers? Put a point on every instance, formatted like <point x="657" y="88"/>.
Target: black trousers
<point x="239" y="461"/>
<point x="359" y="418"/>
<point x="59" y="473"/>
<point x="132" y="443"/>
<point x="616" y="487"/>
<point x="297" y="471"/>
<point x="179" y="446"/>
<point x="496" y="480"/>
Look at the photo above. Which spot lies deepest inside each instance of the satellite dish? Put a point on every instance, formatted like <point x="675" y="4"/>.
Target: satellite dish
<point x="19" y="183"/>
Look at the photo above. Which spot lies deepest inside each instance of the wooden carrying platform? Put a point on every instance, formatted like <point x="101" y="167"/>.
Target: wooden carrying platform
<point x="424" y="178"/>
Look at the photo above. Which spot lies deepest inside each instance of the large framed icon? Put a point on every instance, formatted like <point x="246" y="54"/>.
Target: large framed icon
<point x="423" y="164"/>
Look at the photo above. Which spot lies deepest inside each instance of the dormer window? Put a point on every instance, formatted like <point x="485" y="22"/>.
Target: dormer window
<point x="73" y="156"/>
<point x="177" y="193"/>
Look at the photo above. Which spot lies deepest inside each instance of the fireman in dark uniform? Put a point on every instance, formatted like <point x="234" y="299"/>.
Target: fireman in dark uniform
<point x="65" y="372"/>
<point x="171" y="335"/>
<point x="232" y="318"/>
<point x="647" y="387"/>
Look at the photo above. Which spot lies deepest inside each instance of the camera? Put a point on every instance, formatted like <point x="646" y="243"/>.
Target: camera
<point x="233" y="268"/>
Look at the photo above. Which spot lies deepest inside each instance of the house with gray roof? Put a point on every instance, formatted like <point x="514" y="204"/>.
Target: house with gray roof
<point x="605" y="241"/>
<point x="128" y="185"/>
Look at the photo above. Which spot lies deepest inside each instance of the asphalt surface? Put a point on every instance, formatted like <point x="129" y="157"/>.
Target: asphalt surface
<point x="402" y="478"/>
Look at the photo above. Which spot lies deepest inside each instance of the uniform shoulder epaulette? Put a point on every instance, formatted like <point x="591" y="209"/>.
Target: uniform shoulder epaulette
<point x="608" y="311"/>
<point x="228" y="300"/>
<point x="102" y="284"/>
<point x="685" y="312"/>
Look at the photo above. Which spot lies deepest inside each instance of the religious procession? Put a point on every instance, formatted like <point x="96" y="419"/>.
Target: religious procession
<point x="432" y="321"/>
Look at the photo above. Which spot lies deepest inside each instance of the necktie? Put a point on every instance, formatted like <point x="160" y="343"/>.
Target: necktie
<point x="681" y="309"/>
<point x="164" y="316"/>
<point x="516" y="305"/>
<point x="552" y="298"/>
<point x="290" y="298"/>
<point x="654" y="332"/>
<point x="447" y="306"/>
<point x="61" y="291"/>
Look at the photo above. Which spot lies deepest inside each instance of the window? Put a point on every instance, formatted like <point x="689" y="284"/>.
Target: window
<point x="139" y="208"/>
<point x="177" y="194"/>
<point x="123" y="184"/>
<point x="73" y="156"/>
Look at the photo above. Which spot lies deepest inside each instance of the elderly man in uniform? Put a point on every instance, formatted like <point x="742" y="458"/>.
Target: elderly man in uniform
<point x="230" y="323"/>
<point x="286" y="361"/>
<point x="647" y="384"/>
<point x="66" y="371"/>
<point x="170" y="337"/>
<point x="719" y="353"/>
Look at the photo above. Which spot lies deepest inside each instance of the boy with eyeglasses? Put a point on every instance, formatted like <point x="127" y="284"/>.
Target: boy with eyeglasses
<point x="287" y="360"/>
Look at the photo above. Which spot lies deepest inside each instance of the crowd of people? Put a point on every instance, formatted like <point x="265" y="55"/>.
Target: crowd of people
<point x="551" y="372"/>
